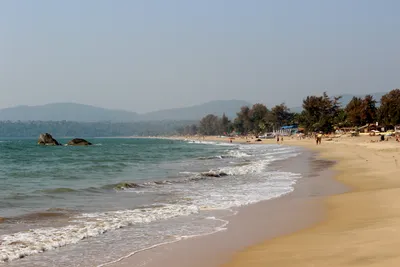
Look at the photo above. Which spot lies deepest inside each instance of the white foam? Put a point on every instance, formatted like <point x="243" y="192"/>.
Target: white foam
<point x="255" y="167"/>
<point x="35" y="241"/>
<point x="273" y="185"/>
<point x="237" y="154"/>
<point x="209" y="143"/>
<point x="246" y="184"/>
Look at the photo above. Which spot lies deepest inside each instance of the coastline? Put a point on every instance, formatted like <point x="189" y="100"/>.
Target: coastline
<point x="361" y="226"/>
<point x="254" y="223"/>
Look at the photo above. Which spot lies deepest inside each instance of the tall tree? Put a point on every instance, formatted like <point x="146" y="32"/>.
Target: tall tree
<point x="341" y="119"/>
<point x="369" y="113"/>
<point x="243" y="123"/>
<point x="354" y="110"/>
<point x="225" y="124"/>
<point x="281" y="115"/>
<point x="389" y="111"/>
<point x="210" y="125"/>
<point x="319" y="112"/>
<point x="258" y="115"/>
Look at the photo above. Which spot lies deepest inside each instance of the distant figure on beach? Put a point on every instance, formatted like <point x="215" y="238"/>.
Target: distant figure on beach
<point x="318" y="138"/>
<point x="277" y="139"/>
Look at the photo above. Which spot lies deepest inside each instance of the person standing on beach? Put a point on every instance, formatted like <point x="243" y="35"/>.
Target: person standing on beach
<point x="318" y="138"/>
<point x="277" y="139"/>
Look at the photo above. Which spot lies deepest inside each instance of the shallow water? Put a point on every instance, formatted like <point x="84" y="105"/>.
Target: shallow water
<point x="65" y="205"/>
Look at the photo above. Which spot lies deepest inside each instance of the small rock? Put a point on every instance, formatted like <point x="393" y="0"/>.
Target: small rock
<point x="47" y="139"/>
<point x="79" y="142"/>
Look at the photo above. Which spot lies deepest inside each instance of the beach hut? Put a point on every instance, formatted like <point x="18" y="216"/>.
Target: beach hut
<point x="289" y="129"/>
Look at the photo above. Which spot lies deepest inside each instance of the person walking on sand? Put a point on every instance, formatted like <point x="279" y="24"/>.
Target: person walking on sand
<point x="318" y="138"/>
<point x="277" y="138"/>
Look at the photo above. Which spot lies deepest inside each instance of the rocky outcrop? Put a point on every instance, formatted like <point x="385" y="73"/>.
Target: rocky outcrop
<point x="214" y="174"/>
<point x="47" y="139"/>
<point x="79" y="142"/>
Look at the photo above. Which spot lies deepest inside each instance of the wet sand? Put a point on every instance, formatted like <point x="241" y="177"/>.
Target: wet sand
<point x="254" y="223"/>
<point x="361" y="227"/>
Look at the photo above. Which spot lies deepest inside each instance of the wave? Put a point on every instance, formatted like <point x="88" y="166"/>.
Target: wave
<point x="42" y="215"/>
<point x="229" y="154"/>
<point x="258" y="185"/>
<point x="211" y="157"/>
<point x="122" y="186"/>
<point x="34" y="241"/>
<point x="209" y="143"/>
<point x="57" y="190"/>
<point x="238" y="154"/>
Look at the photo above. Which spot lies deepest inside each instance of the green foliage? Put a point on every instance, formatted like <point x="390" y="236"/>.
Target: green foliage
<point x="369" y="114"/>
<point x="243" y="123"/>
<point x="389" y="111"/>
<point x="354" y="110"/>
<point x="281" y="115"/>
<point x="319" y="113"/>
<point x="361" y="111"/>
<point x="258" y="117"/>
<point x="225" y="124"/>
<point x="210" y="125"/>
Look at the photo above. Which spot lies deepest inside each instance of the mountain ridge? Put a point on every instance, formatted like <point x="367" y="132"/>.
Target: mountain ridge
<point x="87" y="113"/>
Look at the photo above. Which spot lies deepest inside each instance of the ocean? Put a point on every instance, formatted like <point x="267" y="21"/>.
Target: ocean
<point x="89" y="206"/>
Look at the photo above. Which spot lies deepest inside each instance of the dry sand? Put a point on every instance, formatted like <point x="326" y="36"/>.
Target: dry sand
<point x="362" y="227"/>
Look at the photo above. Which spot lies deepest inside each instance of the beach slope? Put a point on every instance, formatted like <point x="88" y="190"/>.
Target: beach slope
<point x="362" y="227"/>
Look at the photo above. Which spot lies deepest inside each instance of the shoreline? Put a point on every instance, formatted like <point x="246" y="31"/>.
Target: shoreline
<point x="361" y="226"/>
<point x="253" y="223"/>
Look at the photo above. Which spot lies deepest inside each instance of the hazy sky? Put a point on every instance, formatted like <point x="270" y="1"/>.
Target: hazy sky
<point x="149" y="55"/>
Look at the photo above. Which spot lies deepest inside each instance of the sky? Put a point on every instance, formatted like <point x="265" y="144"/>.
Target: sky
<point x="149" y="55"/>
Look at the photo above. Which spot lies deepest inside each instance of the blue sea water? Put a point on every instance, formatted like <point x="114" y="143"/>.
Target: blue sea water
<point x="63" y="206"/>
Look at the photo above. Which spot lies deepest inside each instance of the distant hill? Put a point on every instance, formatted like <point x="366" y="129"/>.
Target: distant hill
<point x="65" y="111"/>
<point x="229" y="107"/>
<point x="87" y="113"/>
<point x="346" y="98"/>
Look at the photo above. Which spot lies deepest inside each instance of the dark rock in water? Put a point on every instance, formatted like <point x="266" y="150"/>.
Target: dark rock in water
<point x="47" y="139"/>
<point x="79" y="142"/>
<point x="214" y="174"/>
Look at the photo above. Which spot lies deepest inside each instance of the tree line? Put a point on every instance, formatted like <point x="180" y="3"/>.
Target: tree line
<point x="320" y="113"/>
<point x="32" y="129"/>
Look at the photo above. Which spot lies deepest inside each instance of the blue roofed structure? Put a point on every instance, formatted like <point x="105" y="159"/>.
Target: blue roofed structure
<point x="287" y="127"/>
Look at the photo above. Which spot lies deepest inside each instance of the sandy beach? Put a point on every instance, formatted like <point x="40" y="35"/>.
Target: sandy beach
<point x="361" y="228"/>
